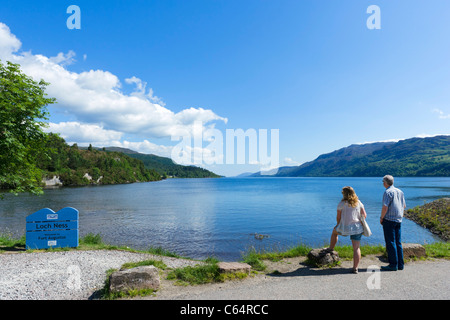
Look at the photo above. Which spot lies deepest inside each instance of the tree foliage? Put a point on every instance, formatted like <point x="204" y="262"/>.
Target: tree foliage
<point x="23" y="111"/>
<point x="166" y="167"/>
<point x="75" y="166"/>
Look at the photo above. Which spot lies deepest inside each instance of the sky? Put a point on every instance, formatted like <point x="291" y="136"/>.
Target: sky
<point x="156" y="76"/>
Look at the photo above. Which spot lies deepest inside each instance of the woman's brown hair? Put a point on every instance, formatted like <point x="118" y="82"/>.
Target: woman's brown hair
<point x="350" y="196"/>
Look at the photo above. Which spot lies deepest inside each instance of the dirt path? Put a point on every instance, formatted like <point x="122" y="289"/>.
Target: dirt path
<point x="290" y="279"/>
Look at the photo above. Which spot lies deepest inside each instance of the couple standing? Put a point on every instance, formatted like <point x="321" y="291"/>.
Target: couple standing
<point x="349" y="213"/>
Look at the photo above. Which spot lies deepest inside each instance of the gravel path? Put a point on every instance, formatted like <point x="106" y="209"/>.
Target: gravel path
<point x="77" y="275"/>
<point x="67" y="275"/>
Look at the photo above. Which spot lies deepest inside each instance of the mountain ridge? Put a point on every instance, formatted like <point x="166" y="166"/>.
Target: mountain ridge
<point x="165" y="166"/>
<point x="428" y="156"/>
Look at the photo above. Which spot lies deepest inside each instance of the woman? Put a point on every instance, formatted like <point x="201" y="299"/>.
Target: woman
<point x="349" y="223"/>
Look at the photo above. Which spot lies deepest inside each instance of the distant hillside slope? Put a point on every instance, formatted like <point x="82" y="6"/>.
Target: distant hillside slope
<point x="410" y="157"/>
<point x="85" y="166"/>
<point x="165" y="166"/>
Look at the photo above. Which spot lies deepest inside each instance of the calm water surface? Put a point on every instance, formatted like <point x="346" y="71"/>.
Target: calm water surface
<point x="219" y="217"/>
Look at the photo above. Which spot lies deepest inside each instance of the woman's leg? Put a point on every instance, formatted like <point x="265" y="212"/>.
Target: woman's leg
<point x="334" y="239"/>
<point x="356" y="254"/>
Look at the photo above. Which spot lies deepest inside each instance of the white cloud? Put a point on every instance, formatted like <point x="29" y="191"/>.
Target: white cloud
<point x="442" y="114"/>
<point x="387" y="140"/>
<point x="84" y="133"/>
<point x="94" y="98"/>
<point x="97" y="82"/>
<point x="141" y="89"/>
<point x="289" y="162"/>
<point x="145" y="146"/>
<point x="426" y="135"/>
<point x="422" y="135"/>
<point x="64" y="59"/>
<point x="9" y="44"/>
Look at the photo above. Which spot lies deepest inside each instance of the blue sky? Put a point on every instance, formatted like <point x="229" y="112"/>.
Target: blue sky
<point x="311" y="69"/>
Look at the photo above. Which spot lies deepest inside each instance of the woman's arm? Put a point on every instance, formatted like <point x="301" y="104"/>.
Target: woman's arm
<point x="363" y="212"/>
<point x="338" y="216"/>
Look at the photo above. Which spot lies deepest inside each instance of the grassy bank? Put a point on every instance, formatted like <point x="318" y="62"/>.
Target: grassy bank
<point x="88" y="242"/>
<point x="202" y="274"/>
<point x="434" y="216"/>
<point x="256" y="258"/>
<point x="95" y="242"/>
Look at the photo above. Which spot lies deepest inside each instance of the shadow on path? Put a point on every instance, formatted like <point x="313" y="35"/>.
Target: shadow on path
<point x="306" y="270"/>
<point x="13" y="248"/>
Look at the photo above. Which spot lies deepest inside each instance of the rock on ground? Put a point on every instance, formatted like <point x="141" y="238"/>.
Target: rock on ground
<point x="411" y="250"/>
<point x="139" y="278"/>
<point x="323" y="257"/>
<point x="231" y="267"/>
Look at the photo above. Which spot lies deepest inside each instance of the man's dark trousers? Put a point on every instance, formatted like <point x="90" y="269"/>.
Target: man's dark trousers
<point x="393" y="237"/>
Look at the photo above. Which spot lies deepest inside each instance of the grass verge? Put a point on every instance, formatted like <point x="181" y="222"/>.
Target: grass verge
<point x="256" y="258"/>
<point x="202" y="274"/>
<point x="88" y="242"/>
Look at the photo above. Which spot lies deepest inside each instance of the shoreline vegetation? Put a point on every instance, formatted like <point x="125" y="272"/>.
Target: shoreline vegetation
<point x="79" y="166"/>
<point x="61" y="165"/>
<point x="434" y="216"/>
<point x="207" y="271"/>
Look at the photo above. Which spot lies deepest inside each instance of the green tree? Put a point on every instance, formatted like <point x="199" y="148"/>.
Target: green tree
<point x="23" y="111"/>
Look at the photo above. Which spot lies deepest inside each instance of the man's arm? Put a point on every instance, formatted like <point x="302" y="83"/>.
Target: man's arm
<point x="383" y="213"/>
<point x="387" y="199"/>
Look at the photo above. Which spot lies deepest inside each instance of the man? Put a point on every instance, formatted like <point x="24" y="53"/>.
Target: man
<point x="391" y="218"/>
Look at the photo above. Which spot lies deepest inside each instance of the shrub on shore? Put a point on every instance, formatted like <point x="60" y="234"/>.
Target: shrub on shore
<point x="434" y="216"/>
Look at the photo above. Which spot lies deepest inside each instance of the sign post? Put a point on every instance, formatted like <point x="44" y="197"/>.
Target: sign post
<point x="48" y="229"/>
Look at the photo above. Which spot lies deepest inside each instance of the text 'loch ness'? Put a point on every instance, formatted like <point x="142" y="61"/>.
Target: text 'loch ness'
<point x="48" y="229"/>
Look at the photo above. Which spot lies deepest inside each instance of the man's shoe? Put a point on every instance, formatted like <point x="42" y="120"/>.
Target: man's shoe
<point x="388" y="268"/>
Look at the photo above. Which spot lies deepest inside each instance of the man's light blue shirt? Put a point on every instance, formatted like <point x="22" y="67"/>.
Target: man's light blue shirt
<point x="394" y="199"/>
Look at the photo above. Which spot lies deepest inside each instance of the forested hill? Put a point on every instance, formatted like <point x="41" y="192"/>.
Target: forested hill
<point x="165" y="166"/>
<point x="77" y="166"/>
<point x="410" y="157"/>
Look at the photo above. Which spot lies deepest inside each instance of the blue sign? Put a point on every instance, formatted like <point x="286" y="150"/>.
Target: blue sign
<point x="49" y="229"/>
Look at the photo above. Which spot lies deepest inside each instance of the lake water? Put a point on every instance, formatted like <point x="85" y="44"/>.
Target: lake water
<point x="219" y="217"/>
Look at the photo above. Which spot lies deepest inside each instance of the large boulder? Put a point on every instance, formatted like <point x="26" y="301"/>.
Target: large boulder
<point x="144" y="277"/>
<point x="232" y="267"/>
<point x="323" y="257"/>
<point x="411" y="250"/>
